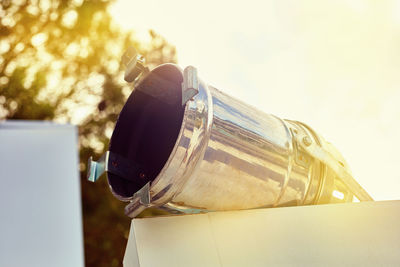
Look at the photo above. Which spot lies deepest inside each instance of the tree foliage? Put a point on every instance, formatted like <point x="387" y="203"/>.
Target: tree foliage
<point x="60" y="60"/>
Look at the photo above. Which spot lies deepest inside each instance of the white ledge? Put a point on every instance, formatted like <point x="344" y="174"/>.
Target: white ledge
<point x="354" y="234"/>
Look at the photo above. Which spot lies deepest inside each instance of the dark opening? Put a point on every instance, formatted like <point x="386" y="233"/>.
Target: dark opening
<point x="148" y="127"/>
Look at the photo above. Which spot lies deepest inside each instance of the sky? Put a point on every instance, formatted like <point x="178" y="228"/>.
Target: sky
<point x="331" y="64"/>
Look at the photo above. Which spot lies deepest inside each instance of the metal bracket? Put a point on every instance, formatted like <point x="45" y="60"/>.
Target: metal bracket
<point x="115" y="164"/>
<point x="190" y="84"/>
<point x="97" y="168"/>
<point x="144" y="195"/>
<point x="134" y="63"/>
<point x="141" y="201"/>
<point x="325" y="157"/>
<point x="301" y="158"/>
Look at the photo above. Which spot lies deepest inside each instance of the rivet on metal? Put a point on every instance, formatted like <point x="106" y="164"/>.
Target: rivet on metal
<point x="307" y="141"/>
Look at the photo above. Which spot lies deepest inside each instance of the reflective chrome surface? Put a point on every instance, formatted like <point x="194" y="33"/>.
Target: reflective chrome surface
<point x="229" y="156"/>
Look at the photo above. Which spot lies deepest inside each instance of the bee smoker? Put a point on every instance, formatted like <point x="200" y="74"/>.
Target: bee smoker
<point x="183" y="145"/>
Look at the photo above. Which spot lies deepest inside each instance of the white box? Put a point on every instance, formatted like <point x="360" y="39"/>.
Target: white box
<point x="40" y="200"/>
<point x="353" y="234"/>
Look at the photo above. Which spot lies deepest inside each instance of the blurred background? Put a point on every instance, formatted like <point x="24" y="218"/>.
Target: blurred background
<point x="331" y="64"/>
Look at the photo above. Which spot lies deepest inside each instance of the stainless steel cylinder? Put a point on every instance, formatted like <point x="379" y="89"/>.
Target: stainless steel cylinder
<point x="215" y="152"/>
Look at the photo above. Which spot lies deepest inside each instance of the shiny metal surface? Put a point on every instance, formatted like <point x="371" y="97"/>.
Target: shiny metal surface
<point x="190" y="84"/>
<point x="229" y="156"/>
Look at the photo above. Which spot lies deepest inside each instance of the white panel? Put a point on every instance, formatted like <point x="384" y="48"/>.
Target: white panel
<point x="131" y="257"/>
<point x="180" y="242"/>
<point x="40" y="202"/>
<point x="352" y="234"/>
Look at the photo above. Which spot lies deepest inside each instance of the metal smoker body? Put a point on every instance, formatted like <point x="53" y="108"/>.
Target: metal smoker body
<point x="183" y="145"/>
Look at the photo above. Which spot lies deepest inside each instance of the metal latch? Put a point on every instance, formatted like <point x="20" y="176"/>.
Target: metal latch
<point x="190" y="84"/>
<point x="141" y="201"/>
<point x="134" y="63"/>
<point x="97" y="168"/>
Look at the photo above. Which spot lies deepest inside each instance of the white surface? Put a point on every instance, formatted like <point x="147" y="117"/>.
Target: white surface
<point x="356" y="234"/>
<point x="40" y="203"/>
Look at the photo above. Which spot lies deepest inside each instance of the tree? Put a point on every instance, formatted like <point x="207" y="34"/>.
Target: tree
<point x="60" y="60"/>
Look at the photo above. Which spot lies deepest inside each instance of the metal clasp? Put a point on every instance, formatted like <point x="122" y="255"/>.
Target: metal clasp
<point x="190" y="84"/>
<point x="141" y="201"/>
<point x="97" y="168"/>
<point x="134" y="63"/>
